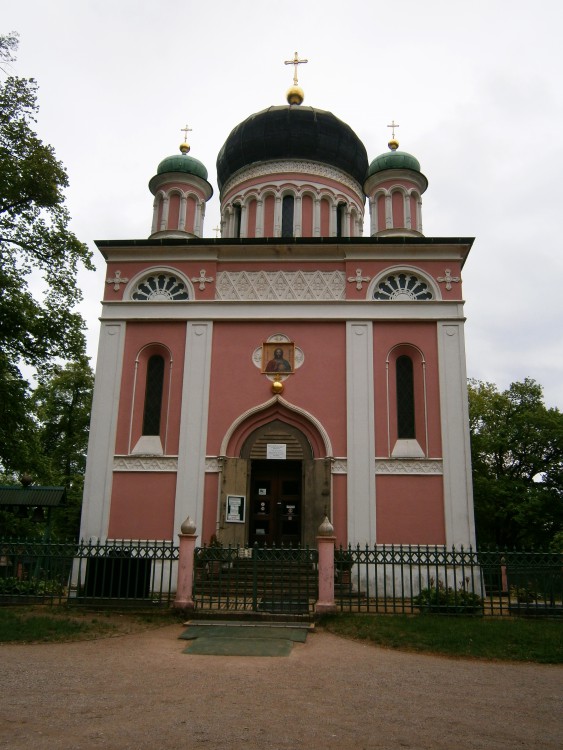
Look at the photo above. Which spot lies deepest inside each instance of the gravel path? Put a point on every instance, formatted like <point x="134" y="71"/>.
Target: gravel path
<point x="140" y="691"/>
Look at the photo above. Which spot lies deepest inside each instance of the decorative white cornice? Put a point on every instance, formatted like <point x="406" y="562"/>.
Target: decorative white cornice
<point x="406" y="466"/>
<point x="339" y="466"/>
<point x="213" y="464"/>
<point x="281" y="285"/>
<point x="305" y="168"/>
<point x="145" y="463"/>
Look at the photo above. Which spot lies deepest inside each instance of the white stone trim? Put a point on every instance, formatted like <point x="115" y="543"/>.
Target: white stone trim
<point x="339" y="466"/>
<point x="213" y="464"/>
<point x="103" y="427"/>
<point x="306" y="168"/>
<point x="407" y="447"/>
<point x="454" y="414"/>
<point x="280" y="285"/>
<point x="148" y="445"/>
<point x="193" y="424"/>
<point x="270" y="309"/>
<point x="262" y="407"/>
<point x="145" y="463"/>
<point x="360" y="432"/>
<point x="408" y="466"/>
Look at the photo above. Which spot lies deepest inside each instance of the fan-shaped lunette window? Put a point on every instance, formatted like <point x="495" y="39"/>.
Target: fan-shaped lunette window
<point x="160" y="288"/>
<point x="402" y="287"/>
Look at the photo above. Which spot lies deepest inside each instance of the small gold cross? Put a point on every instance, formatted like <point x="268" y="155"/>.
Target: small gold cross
<point x="295" y="62"/>
<point x="393" y="125"/>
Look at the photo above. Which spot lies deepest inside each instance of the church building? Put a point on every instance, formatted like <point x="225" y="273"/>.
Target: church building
<point x="310" y="361"/>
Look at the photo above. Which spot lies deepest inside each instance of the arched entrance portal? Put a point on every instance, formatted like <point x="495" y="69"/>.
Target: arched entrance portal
<point x="277" y="453"/>
<point x="285" y="484"/>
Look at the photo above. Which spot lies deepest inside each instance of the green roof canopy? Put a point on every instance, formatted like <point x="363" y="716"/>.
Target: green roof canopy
<point x="48" y="497"/>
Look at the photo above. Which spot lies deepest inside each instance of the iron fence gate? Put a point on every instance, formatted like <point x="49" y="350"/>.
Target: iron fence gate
<point x="274" y="580"/>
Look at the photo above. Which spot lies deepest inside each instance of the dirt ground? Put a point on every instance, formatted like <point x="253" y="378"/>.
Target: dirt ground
<point x="140" y="691"/>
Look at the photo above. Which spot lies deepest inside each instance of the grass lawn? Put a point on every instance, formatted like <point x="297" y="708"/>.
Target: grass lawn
<point x="40" y="624"/>
<point x="509" y="639"/>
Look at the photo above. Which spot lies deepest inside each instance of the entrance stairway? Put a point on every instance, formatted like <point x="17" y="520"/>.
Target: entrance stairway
<point x="263" y="581"/>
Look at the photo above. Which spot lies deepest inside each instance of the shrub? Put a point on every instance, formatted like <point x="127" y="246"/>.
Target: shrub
<point x="442" y="598"/>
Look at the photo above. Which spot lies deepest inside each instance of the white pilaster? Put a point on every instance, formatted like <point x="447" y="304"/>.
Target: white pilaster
<point x="298" y="217"/>
<point x="193" y="421"/>
<point x="407" y="210"/>
<point x="458" y="490"/>
<point x="244" y="220"/>
<point x="317" y="217"/>
<point x="182" y="216"/>
<point x="197" y="217"/>
<point x="103" y="426"/>
<point x="388" y="211"/>
<point x="360" y="433"/>
<point x="277" y="215"/>
<point x="259" y="218"/>
<point x="164" y="217"/>
<point x="372" y="216"/>
<point x="333" y="220"/>
<point x="155" y="205"/>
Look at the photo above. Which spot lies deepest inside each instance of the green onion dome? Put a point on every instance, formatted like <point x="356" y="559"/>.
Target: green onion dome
<point x="394" y="160"/>
<point x="182" y="163"/>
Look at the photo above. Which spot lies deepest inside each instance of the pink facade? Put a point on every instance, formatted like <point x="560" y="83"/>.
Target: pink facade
<point x="363" y="416"/>
<point x="142" y="506"/>
<point x="410" y="510"/>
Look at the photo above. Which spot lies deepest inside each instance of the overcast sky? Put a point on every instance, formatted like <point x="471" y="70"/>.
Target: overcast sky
<point x="476" y="88"/>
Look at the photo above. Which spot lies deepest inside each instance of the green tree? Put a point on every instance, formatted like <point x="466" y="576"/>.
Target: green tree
<point x="62" y="404"/>
<point x="37" y="251"/>
<point x="517" y="455"/>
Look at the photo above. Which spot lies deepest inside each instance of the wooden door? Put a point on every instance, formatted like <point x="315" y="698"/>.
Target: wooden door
<point x="275" y="503"/>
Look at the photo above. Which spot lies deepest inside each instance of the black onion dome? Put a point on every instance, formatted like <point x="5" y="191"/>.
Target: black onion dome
<point x="292" y="132"/>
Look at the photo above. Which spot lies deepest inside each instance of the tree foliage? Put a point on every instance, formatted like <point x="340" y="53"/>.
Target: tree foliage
<point x="39" y="260"/>
<point x="57" y="442"/>
<point x="517" y="455"/>
<point x="62" y="405"/>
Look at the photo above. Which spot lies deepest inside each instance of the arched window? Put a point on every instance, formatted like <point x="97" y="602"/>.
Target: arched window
<point x="288" y="205"/>
<point x="237" y="219"/>
<point x="153" y="395"/>
<point x="340" y="215"/>
<point x="405" y="398"/>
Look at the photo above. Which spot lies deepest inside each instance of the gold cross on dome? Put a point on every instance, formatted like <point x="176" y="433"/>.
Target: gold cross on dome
<point x="295" y="62"/>
<point x="393" y="125"/>
<point x="185" y="131"/>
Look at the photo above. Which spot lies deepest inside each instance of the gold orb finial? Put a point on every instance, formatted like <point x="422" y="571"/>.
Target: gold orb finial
<point x="295" y="95"/>
<point x="393" y="144"/>
<point x="277" y="387"/>
<point x="184" y="147"/>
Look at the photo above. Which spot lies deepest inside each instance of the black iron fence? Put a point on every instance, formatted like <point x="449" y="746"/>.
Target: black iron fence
<point x="124" y="572"/>
<point x="385" y="579"/>
<point x="415" y="579"/>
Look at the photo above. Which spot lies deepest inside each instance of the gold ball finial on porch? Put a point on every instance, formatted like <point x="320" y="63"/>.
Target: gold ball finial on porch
<point x="326" y="528"/>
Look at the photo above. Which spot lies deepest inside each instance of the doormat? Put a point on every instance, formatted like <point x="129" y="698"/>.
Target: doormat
<point x="235" y="639"/>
